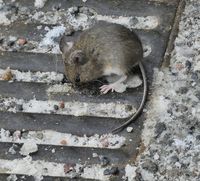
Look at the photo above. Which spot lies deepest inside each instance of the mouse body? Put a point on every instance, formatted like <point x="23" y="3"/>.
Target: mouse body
<point x="103" y="50"/>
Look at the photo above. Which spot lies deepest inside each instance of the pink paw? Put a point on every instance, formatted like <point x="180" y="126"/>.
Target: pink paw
<point x="105" y="88"/>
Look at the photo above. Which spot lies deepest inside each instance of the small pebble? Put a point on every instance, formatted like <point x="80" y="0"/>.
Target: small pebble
<point x="25" y="134"/>
<point x="150" y="166"/>
<point x="15" y="49"/>
<point x="12" y="149"/>
<point x="56" y="107"/>
<point x="40" y="135"/>
<point x="28" y="148"/>
<point x="156" y="156"/>
<point x="179" y="66"/>
<point x="17" y="134"/>
<point x="68" y="167"/>
<point x="197" y="95"/>
<point x="105" y="144"/>
<point x="188" y="64"/>
<point x="193" y="84"/>
<point x="81" y="169"/>
<point x="144" y="110"/>
<point x="111" y="171"/>
<point x="7" y="75"/>
<point x="183" y="90"/>
<point x="39" y="27"/>
<point x="10" y="43"/>
<point x="46" y="28"/>
<point x="62" y="105"/>
<point x="194" y="76"/>
<point x="182" y="108"/>
<point x="94" y="155"/>
<point x="29" y="47"/>
<point x="191" y="130"/>
<point x="21" y="41"/>
<point x="12" y="178"/>
<point x="63" y="142"/>
<point x="178" y="165"/>
<point x="24" y="11"/>
<point x="133" y="21"/>
<point x="159" y="128"/>
<point x="12" y="8"/>
<point x="129" y="129"/>
<point x="74" y="175"/>
<point x="19" y="107"/>
<point x="57" y="7"/>
<point x="1" y="40"/>
<point x="198" y="137"/>
<point x="174" y="159"/>
<point x="128" y="108"/>
<point x="189" y="44"/>
<point x="64" y="80"/>
<point x="53" y="150"/>
<point x="104" y="161"/>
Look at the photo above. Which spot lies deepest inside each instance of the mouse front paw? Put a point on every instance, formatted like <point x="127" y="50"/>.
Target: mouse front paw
<point x="104" y="89"/>
<point x="119" y="88"/>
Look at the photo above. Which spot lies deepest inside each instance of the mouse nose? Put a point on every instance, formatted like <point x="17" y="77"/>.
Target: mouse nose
<point x="77" y="80"/>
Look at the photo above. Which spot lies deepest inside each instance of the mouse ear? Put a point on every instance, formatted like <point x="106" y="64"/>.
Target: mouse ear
<point x="65" y="45"/>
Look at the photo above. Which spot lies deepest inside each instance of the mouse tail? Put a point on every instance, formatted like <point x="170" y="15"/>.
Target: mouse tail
<point x="137" y="113"/>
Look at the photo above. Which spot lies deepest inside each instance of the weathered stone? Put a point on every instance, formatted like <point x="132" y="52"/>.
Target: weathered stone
<point x="183" y="90"/>
<point x="174" y="159"/>
<point x="194" y="76"/>
<point x="104" y="161"/>
<point x="19" y="107"/>
<point x="159" y="128"/>
<point x="56" y="107"/>
<point x="150" y="166"/>
<point x="198" y="137"/>
<point x="111" y="171"/>
<point x="188" y="64"/>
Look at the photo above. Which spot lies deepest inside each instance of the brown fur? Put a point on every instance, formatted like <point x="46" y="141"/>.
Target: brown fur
<point x="103" y="45"/>
<point x="104" y="49"/>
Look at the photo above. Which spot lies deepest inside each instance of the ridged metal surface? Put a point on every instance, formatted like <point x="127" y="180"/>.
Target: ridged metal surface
<point x="84" y="125"/>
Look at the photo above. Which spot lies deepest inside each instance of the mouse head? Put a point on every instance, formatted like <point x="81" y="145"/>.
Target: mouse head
<point x="78" y="69"/>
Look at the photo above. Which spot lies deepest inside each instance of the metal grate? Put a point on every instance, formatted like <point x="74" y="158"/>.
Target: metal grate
<point x="72" y="144"/>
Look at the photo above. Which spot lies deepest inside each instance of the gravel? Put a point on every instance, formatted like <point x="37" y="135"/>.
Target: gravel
<point x="171" y="134"/>
<point x="172" y="126"/>
<point x="104" y="161"/>
<point x="111" y="171"/>
<point x="159" y="128"/>
<point x="150" y="166"/>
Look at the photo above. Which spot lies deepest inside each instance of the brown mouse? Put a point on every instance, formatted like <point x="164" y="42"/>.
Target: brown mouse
<point x="104" y="50"/>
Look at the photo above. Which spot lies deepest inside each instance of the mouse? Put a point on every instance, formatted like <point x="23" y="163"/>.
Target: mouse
<point x="105" y="49"/>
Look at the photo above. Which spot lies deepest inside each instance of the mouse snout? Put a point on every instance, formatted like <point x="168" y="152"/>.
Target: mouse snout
<point x="77" y="79"/>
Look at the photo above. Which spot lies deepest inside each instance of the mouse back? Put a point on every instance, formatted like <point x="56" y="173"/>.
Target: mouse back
<point x="104" y="49"/>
